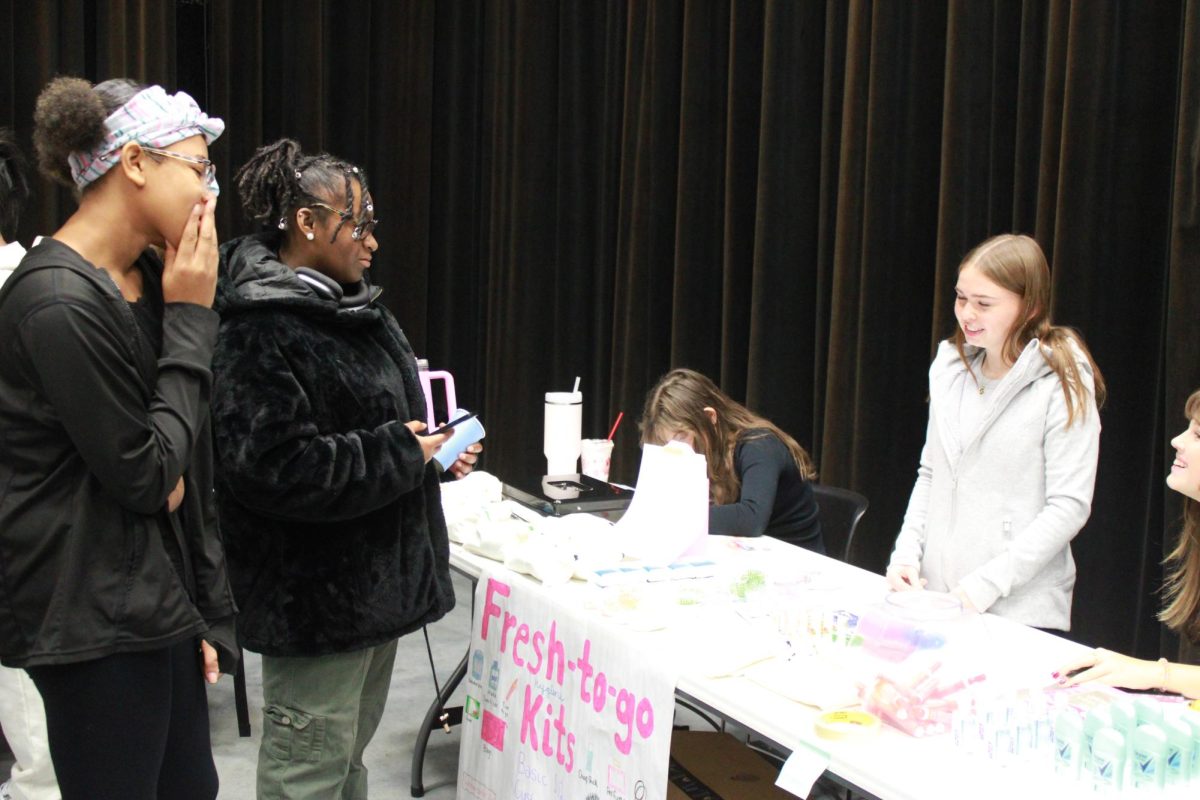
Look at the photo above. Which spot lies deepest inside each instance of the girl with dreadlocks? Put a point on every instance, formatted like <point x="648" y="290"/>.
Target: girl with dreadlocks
<point x="329" y="505"/>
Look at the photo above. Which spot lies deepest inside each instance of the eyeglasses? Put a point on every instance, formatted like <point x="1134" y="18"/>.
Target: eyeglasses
<point x="361" y="229"/>
<point x="210" y="169"/>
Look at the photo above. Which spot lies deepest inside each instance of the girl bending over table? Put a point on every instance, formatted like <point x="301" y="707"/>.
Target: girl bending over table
<point x="758" y="476"/>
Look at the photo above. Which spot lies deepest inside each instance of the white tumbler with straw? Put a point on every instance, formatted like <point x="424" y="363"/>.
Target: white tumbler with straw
<point x="563" y="431"/>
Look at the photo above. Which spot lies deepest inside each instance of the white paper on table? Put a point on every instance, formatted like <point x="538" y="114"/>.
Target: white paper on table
<point x="802" y="769"/>
<point x="669" y="511"/>
<point x="813" y="681"/>
<point x="736" y="647"/>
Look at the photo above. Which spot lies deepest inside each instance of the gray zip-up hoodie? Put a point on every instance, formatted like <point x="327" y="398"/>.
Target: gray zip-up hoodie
<point x="994" y="514"/>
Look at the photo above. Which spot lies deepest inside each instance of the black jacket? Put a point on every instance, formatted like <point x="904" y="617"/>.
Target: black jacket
<point x="333" y="519"/>
<point x="97" y="428"/>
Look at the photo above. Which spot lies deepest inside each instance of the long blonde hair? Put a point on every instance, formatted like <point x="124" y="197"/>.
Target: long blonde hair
<point x="1016" y="263"/>
<point x="1182" y="588"/>
<point x="676" y="405"/>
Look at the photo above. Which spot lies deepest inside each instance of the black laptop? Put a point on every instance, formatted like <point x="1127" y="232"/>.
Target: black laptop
<point x="569" y="494"/>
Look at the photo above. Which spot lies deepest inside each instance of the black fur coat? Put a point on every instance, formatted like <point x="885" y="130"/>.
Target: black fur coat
<point x="332" y="520"/>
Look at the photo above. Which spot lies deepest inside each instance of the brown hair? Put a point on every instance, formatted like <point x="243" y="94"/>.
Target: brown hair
<point x="69" y="118"/>
<point x="1182" y="588"/>
<point x="1016" y="263"/>
<point x="676" y="405"/>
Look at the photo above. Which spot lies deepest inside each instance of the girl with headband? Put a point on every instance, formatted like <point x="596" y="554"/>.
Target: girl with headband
<point x="1009" y="464"/>
<point x="113" y="591"/>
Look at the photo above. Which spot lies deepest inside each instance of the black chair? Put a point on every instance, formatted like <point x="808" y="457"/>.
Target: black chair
<point x="840" y="511"/>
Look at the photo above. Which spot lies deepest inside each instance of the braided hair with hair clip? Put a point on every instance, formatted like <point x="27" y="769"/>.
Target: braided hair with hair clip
<point x="280" y="178"/>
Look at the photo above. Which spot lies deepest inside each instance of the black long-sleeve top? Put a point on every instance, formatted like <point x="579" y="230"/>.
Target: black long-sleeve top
<point x="774" y="499"/>
<point x="98" y="424"/>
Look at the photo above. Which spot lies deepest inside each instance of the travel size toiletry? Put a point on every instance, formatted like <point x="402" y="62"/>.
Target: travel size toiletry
<point x="1149" y="757"/>
<point x="1097" y="718"/>
<point x="1108" y="760"/>
<point x="1068" y="743"/>
<point x="1179" y="750"/>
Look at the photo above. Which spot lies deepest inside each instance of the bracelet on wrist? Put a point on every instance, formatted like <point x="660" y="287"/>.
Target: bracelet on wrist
<point x="1166" y="675"/>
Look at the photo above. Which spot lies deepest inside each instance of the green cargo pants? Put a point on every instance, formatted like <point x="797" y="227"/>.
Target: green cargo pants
<point x="319" y="714"/>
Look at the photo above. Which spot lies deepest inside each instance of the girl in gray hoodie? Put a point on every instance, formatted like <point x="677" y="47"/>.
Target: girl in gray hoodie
<point x="1009" y="464"/>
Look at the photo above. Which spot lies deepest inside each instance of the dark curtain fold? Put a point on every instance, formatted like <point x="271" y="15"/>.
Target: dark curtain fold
<point x="777" y="193"/>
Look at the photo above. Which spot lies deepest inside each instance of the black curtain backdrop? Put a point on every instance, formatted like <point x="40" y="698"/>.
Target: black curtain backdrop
<point x="776" y="193"/>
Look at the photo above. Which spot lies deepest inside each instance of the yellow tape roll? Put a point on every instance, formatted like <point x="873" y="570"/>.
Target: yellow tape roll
<point x="844" y="724"/>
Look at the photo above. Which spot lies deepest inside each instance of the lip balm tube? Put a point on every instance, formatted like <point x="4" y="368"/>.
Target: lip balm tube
<point x="925" y="681"/>
<point x="948" y="689"/>
<point x="1149" y="756"/>
<point x="1068" y="743"/>
<point x="1180" y="749"/>
<point x="1108" y="760"/>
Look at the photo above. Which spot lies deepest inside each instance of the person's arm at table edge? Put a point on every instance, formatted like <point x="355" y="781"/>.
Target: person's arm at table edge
<point x="1115" y="669"/>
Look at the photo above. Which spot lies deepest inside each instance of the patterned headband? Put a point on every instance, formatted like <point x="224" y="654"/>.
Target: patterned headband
<point x="153" y="118"/>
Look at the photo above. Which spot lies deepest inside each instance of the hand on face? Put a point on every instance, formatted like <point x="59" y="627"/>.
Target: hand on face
<point x="171" y="181"/>
<point x="190" y="270"/>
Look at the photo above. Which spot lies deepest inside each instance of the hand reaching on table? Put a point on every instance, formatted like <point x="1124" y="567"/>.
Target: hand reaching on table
<point x="1111" y="669"/>
<point x="905" y="578"/>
